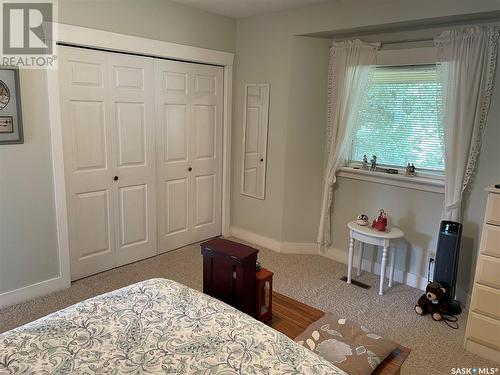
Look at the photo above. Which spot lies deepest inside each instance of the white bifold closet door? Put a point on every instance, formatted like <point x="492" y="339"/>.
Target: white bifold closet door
<point x="189" y="99"/>
<point x="107" y="109"/>
<point x="143" y="155"/>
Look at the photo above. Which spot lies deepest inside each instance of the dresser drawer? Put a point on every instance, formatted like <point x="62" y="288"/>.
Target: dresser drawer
<point x="490" y="242"/>
<point x="488" y="271"/>
<point x="492" y="215"/>
<point x="486" y="301"/>
<point x="484" y="330"/>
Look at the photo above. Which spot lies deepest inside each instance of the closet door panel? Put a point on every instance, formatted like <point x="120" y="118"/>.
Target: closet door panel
<point x="88" y="160"/>
<point x="92" y="215"/>
<point x="206" y="152"/>
<point x="131" y="134"/>
<point x="131" y="97"/>
<point x="173" y="116"/>
<point x="175" y="134"/>
<point x="189" y="107"/>
<point x="176" y="208"/>
<point x="134" y="215"/>
<point x="89" y="137"/>
<point x="204" y="200"/>
<point x="205" y="132"/>
<point x="174" y="214"/>
<point x="107" y="107"/>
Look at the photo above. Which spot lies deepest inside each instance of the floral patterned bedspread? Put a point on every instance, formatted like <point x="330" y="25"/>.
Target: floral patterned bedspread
<point x="152" y="327"/>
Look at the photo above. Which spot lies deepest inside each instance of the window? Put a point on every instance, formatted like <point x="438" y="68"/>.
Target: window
<point x="399" y="119"/>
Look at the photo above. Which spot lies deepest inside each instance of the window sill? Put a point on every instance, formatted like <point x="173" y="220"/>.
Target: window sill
<point x="432" y="184"/>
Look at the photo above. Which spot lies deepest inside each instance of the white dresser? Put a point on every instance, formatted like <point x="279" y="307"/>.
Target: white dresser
<point x="482" y="335"/>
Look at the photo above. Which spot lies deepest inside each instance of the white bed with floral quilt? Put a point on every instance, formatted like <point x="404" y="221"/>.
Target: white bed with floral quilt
<point x="156" y="326"/>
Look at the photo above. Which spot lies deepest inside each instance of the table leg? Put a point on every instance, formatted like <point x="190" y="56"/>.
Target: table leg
<point x="360" y="260"/>
<point x="391" y="269"/>
<point x="382" y="271"/>
<point x="349" y="263"/>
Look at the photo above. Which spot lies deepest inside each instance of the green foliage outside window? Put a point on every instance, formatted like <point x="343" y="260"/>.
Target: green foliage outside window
<point x="399" y="119"/>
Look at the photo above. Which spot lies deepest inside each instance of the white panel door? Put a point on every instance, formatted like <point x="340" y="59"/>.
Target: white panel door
<point x="107" y="108"/>
<point x="189" y="101"/>
<point x="131" y="96"/>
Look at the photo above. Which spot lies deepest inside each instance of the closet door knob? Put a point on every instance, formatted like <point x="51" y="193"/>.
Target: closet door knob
<point x="190" y="169"/>
<point x="115" y="178"/>
<point x="261" y="160"/>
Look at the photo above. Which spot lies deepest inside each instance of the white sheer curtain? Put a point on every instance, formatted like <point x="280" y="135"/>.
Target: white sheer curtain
<point x="349" y="72"/>
<point x="466" y="70"/>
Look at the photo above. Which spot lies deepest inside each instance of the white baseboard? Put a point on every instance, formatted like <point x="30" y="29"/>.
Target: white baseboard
<point x="299" y="248"/>
<point x="275" y="245"/>
<point x="32" y="291"/>
<point x="255" y="238"/>
<point x="338" y="255"/>
<point x="407" y="278"/>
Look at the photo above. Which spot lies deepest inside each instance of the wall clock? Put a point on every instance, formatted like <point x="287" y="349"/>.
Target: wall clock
<point x="11" y="128"/>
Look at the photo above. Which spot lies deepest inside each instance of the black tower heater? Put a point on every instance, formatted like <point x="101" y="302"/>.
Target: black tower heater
<point x="445" y="268"/>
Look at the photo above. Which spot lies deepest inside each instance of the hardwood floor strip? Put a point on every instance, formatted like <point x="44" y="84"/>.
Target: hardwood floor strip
<point x="292" y="317"/>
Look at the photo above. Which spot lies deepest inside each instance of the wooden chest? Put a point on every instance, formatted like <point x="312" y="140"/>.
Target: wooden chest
<point x="229" y="273"/>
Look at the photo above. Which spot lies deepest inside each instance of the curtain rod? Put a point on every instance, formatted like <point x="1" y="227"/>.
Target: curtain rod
<point x="414" y="40"/>
<point x="408" y="41"/>
<point x="400" y="41"/>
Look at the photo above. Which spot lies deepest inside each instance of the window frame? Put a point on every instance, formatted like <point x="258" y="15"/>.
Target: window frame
<point x="426" y="179"/>
<point x="427" y="171"/>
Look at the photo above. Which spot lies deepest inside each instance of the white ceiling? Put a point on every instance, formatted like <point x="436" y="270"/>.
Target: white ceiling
<point x="246" y="8"/>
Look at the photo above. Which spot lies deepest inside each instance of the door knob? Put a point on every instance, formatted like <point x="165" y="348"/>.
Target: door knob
<point x="115" y="178"/>
<point x="190" y="169"/>
<point x="261" y="160"/>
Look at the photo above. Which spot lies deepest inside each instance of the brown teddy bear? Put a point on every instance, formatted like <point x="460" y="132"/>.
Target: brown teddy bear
<point x="434" y="301"/>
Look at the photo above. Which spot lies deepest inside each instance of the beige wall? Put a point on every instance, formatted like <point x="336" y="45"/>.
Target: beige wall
<point x="28" y="243"/>
<point x="263" y="56"/>
<point x="306" y="129"/>
<point x="297" y="124"/>
<point x="350" y="14"/>
<point x="488" y="174"/>
<point x="154" y="19"/>
<point x="267" y="50"/>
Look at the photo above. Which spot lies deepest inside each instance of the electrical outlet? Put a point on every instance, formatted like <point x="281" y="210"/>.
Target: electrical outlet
<point x="431" y="253"/>
<point x="431" y="259"/>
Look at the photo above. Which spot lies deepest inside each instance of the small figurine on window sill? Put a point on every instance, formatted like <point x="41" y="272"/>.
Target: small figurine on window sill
<point x="410" y="170"/>
<point x="364" y="165"/>
<point x="373" y="162"/>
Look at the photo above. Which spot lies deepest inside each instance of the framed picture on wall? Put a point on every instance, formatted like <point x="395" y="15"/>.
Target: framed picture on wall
<point x="11" y="124"/>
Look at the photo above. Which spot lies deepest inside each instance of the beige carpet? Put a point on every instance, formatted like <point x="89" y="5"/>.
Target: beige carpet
<point x="312" y="279"/>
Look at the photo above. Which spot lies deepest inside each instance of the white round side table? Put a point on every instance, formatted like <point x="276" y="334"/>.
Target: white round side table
<point x="388" y="240"/>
